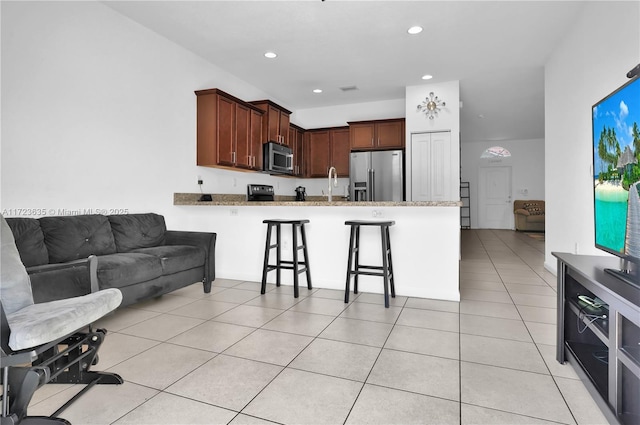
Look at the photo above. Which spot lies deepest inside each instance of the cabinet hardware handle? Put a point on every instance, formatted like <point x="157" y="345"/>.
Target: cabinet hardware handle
<point x="233" y="157"/>
<point x="372" y="141"/>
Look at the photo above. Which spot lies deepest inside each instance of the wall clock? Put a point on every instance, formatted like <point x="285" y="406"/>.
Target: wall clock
<point x="431" y="106"/>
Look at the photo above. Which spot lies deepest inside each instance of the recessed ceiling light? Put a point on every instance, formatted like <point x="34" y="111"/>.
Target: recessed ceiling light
<point x="317" y="90"/>
<point x="270" y="55"/>
<point x="415" y="30"/>
<point x="427" y="77"/>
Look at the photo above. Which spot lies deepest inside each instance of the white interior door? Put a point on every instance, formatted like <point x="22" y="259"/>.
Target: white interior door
<point x="431" y="167"/>
<point x="494" y="198"/>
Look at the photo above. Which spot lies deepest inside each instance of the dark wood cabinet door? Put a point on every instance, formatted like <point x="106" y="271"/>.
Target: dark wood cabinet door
<point x="390" y="134"/>
<point x="283" y="128"/>
<point x="362" y="136"/>
<point x="296" y="149"/>
<point x="207" y="152"/>
<point x="256" y="139"/>
<point x="340" y="150"/>
<point x="242" y="136"/>
<point x="273" y="124"/>
<point x="299" y="153"/>
<point x="226" y="125"/>
<point x="319" y="154"/>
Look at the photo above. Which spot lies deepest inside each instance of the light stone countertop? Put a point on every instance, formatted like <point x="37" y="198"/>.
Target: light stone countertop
<point x="312" y="201"/>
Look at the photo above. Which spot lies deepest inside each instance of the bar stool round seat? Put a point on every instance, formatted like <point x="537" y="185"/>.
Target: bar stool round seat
<point x="355" y="269"/>
<point x="295" y="263"/>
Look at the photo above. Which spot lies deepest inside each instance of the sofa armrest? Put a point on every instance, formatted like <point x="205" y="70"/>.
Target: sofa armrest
<point x="52" y="282"/>
<point x="206" y="240"/>
<point x="521" y="211"/>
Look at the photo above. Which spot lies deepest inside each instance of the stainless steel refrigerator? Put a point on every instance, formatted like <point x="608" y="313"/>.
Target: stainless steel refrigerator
<point x="377" y="176"/>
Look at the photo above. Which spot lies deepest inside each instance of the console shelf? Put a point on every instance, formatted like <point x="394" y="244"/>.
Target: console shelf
<point x="599" y="333"/>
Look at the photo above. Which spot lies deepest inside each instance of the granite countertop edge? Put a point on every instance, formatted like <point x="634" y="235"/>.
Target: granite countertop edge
<point x="191" y="199"/>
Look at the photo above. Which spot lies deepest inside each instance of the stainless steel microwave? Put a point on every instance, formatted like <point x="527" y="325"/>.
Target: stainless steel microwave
<point x="277" y="158"/>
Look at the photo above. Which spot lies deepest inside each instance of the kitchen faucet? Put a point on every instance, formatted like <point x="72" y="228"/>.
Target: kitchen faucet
<point x="335" y="181"/>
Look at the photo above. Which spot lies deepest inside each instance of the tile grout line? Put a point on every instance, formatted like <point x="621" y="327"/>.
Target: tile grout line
<point x="374" y="363"/>
<point x="553" y="378"/>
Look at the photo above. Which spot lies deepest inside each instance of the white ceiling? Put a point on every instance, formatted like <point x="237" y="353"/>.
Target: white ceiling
<point x="496" y="49"/>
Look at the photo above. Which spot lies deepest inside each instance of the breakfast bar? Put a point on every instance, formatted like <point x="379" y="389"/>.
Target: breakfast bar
<point x="425" y="240"/>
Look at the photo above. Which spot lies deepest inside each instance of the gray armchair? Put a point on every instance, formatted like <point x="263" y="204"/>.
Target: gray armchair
<point x="31" y="334"/>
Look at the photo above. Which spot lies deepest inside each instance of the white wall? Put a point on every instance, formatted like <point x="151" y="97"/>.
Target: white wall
<point x="99" y="112"/>
<point x="591" y="62"/>
<point x="448" y="120"/>
<point x="527" y="167"/>
<point x="340" y="115"/>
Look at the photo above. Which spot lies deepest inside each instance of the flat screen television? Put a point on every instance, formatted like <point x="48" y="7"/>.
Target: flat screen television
<point x="616" y="169"/>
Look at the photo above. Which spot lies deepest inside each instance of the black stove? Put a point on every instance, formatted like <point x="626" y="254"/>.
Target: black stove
<point x="260" y="192"/>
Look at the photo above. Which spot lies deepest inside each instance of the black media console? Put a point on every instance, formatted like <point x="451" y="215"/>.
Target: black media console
<point x="599" y="333"/>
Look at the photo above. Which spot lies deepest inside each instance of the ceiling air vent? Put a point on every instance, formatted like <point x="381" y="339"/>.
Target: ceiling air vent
<point x="348" y="88"/>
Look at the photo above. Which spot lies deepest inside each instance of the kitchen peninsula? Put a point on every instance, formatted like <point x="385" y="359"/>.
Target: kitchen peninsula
<point x="425" y="240"/>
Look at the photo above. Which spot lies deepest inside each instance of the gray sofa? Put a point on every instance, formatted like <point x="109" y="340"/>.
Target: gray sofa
<point x="134" y="253"/>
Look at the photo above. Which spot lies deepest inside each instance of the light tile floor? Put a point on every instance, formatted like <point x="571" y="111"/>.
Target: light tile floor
<point x="235" y="356"/>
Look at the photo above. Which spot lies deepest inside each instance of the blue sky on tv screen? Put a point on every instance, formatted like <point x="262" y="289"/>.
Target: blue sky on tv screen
<point x="618" y="111"/>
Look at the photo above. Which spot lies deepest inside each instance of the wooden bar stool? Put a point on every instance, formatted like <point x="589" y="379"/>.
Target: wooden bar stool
<point x="295" y="264"/>
<point x="354" y="268"/>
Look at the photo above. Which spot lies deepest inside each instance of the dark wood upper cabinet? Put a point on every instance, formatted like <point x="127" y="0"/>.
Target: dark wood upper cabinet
<point x="228" y="131"/>
<point x="340" y="151"/>
<point x="319" y="156"/>
<point x="231" y="133"/>
<point x="326" y="148"/>
<point x="225" y="123"/>
<point x="296" y="141"/>
<point x="275" y="124"/>
<point x="256" y="138"/>
<point x="377" y="135"/>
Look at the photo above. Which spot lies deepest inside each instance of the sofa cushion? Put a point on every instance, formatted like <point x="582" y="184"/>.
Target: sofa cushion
<point x="176" y="258"/>
<point x="74" y="237"/>
<point x="539" y="218"/>
<point x="133" y="231"/>
<point x="119" y="270"/>
<point x="29" y="240"/>
<point x="534" y="208"/>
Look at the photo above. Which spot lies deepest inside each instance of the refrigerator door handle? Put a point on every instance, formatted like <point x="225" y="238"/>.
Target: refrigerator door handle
<point x="372" y="184"/>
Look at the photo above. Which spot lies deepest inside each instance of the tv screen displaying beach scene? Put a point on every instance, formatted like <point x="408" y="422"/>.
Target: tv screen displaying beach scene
<point x="616" y="168"/>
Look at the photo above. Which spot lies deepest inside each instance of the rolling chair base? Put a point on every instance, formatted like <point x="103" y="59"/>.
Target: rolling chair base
<point x="67" y="366"/>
